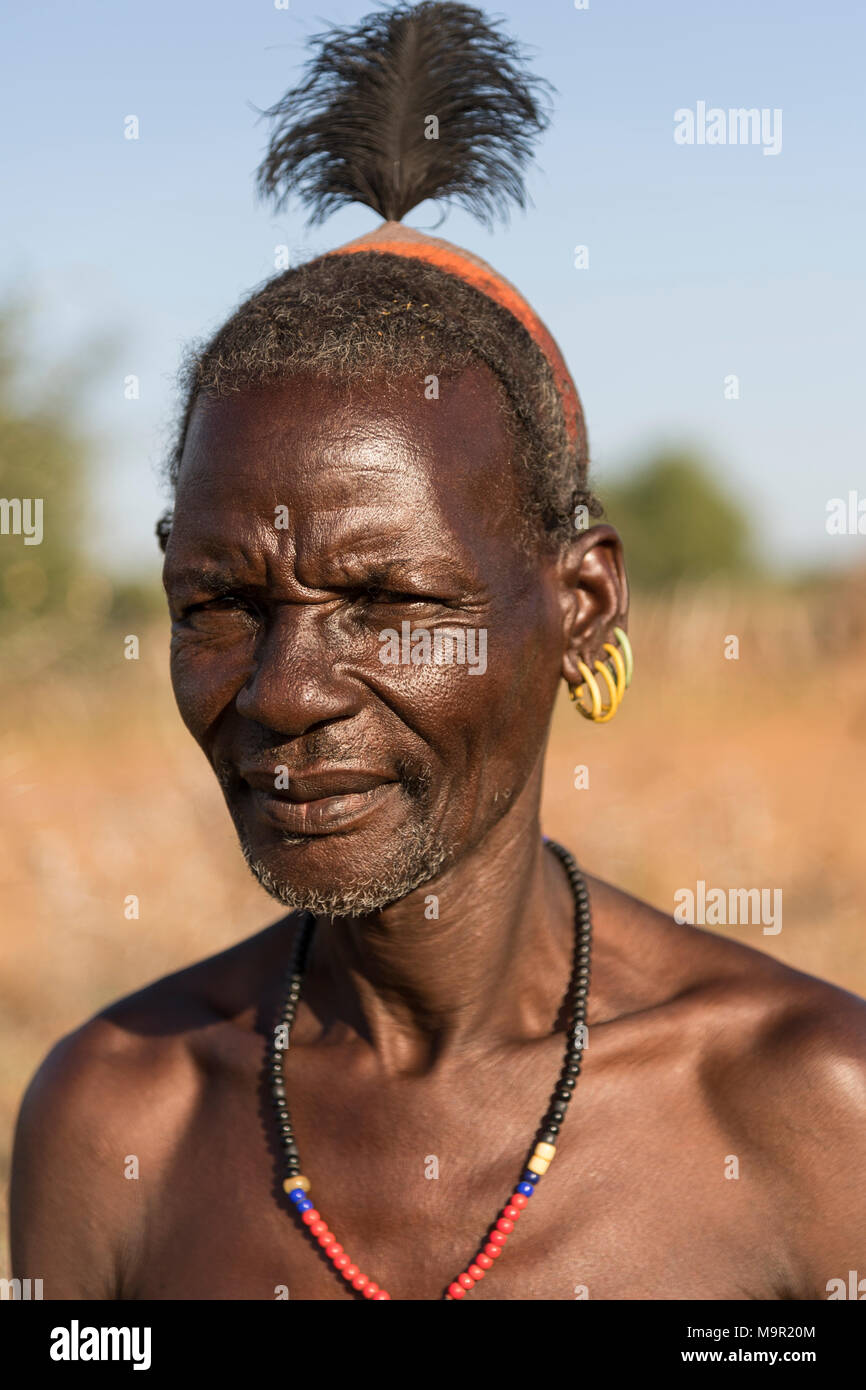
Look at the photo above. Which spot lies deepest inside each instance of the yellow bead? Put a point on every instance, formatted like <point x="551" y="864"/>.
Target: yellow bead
<point x="538" y="1165"/>
<point x="545" y="1150"/>
<point x="289" y="1184"/>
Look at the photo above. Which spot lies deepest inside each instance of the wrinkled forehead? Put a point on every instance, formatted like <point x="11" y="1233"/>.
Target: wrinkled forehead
<point x="316" y="458"/>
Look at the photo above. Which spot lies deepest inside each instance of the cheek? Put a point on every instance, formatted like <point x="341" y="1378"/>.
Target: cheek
<point x="487" y="724"/>
<point x="206" y="675"/>
<point x="520" y="690"/>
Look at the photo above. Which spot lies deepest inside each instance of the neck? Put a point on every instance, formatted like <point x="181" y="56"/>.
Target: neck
<point x="492" y="967"/>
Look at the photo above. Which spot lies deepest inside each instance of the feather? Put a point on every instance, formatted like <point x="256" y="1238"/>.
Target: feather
<point x="356" y="128"/>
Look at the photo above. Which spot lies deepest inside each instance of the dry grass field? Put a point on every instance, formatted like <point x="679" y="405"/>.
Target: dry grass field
<point x="744" y="773"/>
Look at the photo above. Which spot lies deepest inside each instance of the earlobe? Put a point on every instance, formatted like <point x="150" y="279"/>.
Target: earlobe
<point x="617" y="684"/>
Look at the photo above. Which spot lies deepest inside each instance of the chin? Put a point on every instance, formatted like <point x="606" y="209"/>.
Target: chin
<point x="314" y="874"/>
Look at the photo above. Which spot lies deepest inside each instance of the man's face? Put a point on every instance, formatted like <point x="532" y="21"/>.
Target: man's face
<point x="312" y="517"/>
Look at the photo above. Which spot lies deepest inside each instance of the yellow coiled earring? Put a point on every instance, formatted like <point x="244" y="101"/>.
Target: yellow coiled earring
<point x="617" y="681"/>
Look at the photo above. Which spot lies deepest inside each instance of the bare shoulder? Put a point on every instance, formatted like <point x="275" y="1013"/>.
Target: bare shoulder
<point x="780" y="1060"/>
<point x="127" y="1079"/>
<point x="662" y="963"/>
<point x="795" y="1086"/>
<point x="125" y="1051"/>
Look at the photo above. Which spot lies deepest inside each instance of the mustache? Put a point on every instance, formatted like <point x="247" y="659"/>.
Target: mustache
<point x="414" y="776"/>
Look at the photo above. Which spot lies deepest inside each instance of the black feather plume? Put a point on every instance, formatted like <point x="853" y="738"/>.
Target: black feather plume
<point x="353" y="130"/>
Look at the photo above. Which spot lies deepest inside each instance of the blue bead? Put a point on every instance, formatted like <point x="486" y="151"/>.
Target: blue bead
<point x="297" y="1194"/>
<point x="305" y="1205"/>
<point x="526" y="1188"/>
<point x="529" y="1176"/>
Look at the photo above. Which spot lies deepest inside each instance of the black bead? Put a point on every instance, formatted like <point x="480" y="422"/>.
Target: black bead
<point x="549" y="1135"/>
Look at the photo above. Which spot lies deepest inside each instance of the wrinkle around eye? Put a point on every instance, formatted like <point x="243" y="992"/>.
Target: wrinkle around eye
<point x="202" y="620"/>
<point x="386" y="609"/>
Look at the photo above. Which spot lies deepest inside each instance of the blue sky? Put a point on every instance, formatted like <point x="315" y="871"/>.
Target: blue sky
<point x="703" y="260"/>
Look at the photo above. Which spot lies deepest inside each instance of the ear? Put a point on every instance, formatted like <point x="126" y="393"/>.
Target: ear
<point x="594" y="594"/>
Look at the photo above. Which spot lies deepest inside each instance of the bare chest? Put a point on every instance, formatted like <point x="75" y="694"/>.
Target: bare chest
<point x="647" y="1197"/>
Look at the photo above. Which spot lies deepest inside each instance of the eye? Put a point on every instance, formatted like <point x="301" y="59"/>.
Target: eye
<point x="222" y="603"/>
<point x="374" y="593"/>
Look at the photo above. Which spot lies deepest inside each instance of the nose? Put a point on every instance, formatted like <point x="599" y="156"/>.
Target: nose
<point x="296" y="683"/>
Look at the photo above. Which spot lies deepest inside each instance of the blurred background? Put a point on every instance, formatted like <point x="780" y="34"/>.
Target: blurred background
<point x="710" y="302"/>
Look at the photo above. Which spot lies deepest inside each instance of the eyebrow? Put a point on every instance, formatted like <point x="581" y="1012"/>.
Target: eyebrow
<point x="211" y="580"/>
<point x="378" y="569"/>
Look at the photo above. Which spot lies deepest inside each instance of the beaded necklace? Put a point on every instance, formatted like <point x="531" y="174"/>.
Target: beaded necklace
<point x="297" y="1187"/>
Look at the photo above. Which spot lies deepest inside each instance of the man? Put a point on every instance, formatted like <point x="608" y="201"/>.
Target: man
<point x="326" y="496"/>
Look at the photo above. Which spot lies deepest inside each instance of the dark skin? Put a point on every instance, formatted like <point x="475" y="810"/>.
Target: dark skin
<point x="419" y="1037"/>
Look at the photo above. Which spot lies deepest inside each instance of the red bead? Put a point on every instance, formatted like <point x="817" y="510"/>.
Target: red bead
<point x="333" y="1249"/>
<point x="498" y="1237"/>
<point x="476" y="1272"/>
<point x="341" y="1261"/>
<point x="518" y="1200"/>
<point x="371" y="1290"/>
<point x="378" y="1297"/>
<point x="466" y="1280"/>
<point x="360" y="1281"/>
<point x="308" y="1217"/>
<point x="456" y="1291"/>
<point x="318" y="1228"/>
<point x="483" y="1260"/>
<point x="349" y="1272"/>
<point x="504" y="1225"/>
<point x="492" y="1250"/>
<point x="511" y="1213"/>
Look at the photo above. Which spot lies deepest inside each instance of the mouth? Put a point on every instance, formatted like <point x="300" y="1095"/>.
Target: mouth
<point x="317" y="803"/>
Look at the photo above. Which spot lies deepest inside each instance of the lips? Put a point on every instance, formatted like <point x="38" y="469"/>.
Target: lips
<point x="318" y="802"/>
<point x="314" y="786"/>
